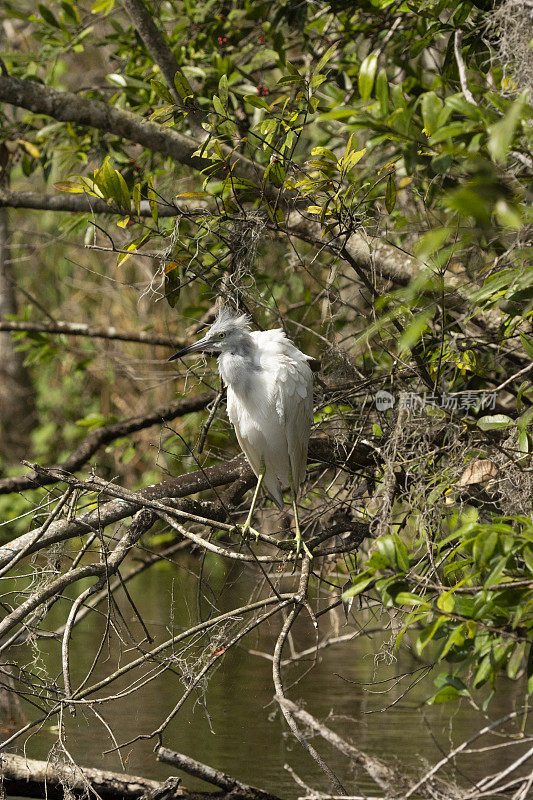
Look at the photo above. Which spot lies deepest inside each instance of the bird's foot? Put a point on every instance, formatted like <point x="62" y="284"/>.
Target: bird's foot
<point x="246" y="530"/>
<point x="300" y="545"/>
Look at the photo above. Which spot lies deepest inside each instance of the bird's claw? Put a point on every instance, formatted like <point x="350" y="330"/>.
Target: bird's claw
<point x="245" y="531"/>
<point x="300" y="545"/>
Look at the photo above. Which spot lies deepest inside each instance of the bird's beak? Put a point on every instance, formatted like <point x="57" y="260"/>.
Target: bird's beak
<point x="201" y="346"/>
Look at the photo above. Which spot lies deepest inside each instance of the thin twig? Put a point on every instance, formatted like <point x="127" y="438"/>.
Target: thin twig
<point x="457" y="44"/>
<point x="278" y="683"/>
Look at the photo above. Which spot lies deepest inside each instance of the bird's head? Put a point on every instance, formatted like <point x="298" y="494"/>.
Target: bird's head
<point x="228" y="333"/>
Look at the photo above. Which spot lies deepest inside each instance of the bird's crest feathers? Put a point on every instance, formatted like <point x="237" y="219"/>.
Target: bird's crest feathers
<point x="227" y="319"/>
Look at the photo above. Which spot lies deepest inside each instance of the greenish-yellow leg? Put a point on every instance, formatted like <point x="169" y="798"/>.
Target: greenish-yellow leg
<point x="248" y="524"/>
<point x="299" y="541"/>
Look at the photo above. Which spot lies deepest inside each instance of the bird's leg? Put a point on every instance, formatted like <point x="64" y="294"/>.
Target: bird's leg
<point x="299" y="541"/>
<point x="248" y="524"/>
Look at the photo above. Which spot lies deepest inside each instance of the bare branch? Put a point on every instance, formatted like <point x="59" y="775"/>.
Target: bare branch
<point x="79" y="203"/>
<point x="457" y="44"/>
<point x="141" y="522"/>
<point x="456" y="750"/>
<point x="91" y="332"/>
<point x="104" y="435"/>
<point x="278" y="683"/>
<point x="41" y="779"/>
<point x="210" y="775"/>
<point x="383" y="775"/>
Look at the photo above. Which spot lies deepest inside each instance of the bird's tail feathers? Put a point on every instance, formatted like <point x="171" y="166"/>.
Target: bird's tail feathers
<point x="274" y="492"/>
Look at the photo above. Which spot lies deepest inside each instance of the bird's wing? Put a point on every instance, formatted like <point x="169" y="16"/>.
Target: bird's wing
<point x="299" y="417"/>
<point x="293" y="396"/>
<point x="256" y="446"/>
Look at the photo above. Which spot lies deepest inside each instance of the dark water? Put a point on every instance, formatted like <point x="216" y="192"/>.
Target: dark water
<point x="234" y="726"/>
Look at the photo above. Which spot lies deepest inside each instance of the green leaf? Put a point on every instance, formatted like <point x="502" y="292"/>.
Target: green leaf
<point x="402" y="554"/>
<point x="275" y="173"/>
<point x="223" y="90"/>
<point x="359" y="584"/>
<point x="92" y="421"/>
<point x="428" y="633"/>
<point x="183" y="86"/>
<point x="445" y="695"/>
<point x="414" y="330"/>
<point x="102" y="7"/>
<point x="515" y="662"/>
<point x="325" y="152"/>
<point x="325" y="58"/>
<point x="431" y="108"/>
<point x="385" y="547"/>
<point x="431" y="242"/>
<point x="125" y="200"/>
<point x="47" y="15"/>
<point x="276" y="215"/>
<point x="501" y="133"/>
<point x="69" y="186"/>
<point x="219" y="108"/>
<point x="450" y="131"/>
<point x="382" y="92"/>
<point x="161" y="90"/>
<point x="446" y="602"/>
<point x="132" y="248"/>
<point x="390" y="194"/>
<point x="367" y="73"/>
<point x="525" y="419"/>
<point x="193" y="195"/>
<point x="410" y="599"/>
<point x="172" y="283"/>
<point x="494" y="422"/>
<point x="483" y="671"/>
<point x="255" y="101"/>
<point x="70" y="11"/>
<point x="527" y="344"/>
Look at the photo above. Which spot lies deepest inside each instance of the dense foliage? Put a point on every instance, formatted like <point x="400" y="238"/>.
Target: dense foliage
<point x="360" y="173"/>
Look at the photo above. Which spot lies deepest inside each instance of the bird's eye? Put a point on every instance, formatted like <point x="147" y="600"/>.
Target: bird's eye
<point x="221" y="335"/>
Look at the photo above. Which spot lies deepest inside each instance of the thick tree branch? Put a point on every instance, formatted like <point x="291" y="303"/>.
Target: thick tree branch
<point x="91" y="332"/>
<point x="155" y="43"/>
<point x="162" y="55"/>
<point x="321" y="448"/>
<point x="25" y="776"/>
<point x="214" y="776"/>
<point x="69" y="107"/>
<point x="79" y="203"/>
<point x="387" y="260"/>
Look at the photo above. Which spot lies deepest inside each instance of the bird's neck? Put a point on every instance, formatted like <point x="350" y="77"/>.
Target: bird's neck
<point x="237" y="366"/>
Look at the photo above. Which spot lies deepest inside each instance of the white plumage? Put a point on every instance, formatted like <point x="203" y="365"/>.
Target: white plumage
<point x="271" y="408"/>
<point x="270" y="398"/>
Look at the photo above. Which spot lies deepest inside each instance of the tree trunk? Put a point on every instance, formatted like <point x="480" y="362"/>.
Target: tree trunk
<point x="29" y="778"/>
<point x="17" y="404"/>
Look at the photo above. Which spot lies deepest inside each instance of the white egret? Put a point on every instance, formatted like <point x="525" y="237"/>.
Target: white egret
<point x="270" y="403"/>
